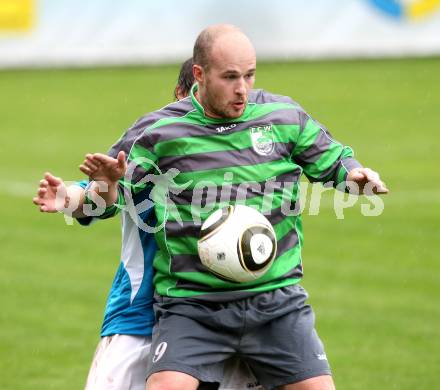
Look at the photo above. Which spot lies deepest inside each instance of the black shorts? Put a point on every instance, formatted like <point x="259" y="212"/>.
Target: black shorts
<point x="273" y="332"/>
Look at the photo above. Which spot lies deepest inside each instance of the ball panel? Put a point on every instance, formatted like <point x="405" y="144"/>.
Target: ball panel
<point x="246" y="256"/>
<point x="215" y="221"/>
<point x="261" y="247"/>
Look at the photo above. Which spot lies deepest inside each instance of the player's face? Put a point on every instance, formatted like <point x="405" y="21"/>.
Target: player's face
<point x="224" y="86"/>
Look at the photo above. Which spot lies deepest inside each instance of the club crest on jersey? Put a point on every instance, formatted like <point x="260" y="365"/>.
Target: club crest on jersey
<point x="262" y="139"/>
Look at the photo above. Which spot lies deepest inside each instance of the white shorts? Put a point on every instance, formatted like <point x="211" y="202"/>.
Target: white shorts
<point x="238" y="376"/>
<point x="120" y="363"/>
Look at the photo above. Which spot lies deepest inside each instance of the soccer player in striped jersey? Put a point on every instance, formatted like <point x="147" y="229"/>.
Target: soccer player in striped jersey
<point x="227" y="138"/>
<point x="120" y="359"/>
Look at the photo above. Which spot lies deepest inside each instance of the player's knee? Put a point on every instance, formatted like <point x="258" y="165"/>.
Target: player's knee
<point x="171" y="380"/>
<point x="324" y="382"/>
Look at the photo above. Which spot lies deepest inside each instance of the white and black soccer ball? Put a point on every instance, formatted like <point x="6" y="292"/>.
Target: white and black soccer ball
<point x="237" y="243"/>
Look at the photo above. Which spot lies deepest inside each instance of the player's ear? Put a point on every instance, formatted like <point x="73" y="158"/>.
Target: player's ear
<point x="198" y="73"/>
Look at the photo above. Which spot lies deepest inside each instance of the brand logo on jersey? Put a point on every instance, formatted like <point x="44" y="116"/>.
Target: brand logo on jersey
<point x="160" y="350"/>
<point x="221" y="129"/>
<point x="321" y="356"/>
<point x="262" y="139"/>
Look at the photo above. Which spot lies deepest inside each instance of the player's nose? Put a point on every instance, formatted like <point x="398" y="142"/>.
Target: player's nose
<point x="240" y="88"/>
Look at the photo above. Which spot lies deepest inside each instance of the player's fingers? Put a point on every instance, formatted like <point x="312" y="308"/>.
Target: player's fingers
<point x="91" y="165"/>
<point x="354" y="178"/>
<point x="36" y="200"/>
<point x="380" y="188"/>
<point x="85" y="170"/>
<point x="48" y="175"/>
<point x="374" y="179"/>
<point x="375" y="184"/>
<point x="375" y="187"/>
<point x="42" y="192"/>
<point x="44" y="209"/>
<point x="51" y="179"/>
<point x="43" y="183"/>
<point x="121" y="156"/>
<point x="371" y="175"/>
<point x="102" y="158"/>
<point x="122" y="162"/>
<point x="92" y="159"/>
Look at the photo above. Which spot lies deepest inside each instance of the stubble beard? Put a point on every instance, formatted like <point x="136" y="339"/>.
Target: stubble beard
<point x="220" y="112"/>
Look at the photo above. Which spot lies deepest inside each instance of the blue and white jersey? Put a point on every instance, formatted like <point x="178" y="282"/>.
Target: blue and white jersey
<point x="129" y="308"/>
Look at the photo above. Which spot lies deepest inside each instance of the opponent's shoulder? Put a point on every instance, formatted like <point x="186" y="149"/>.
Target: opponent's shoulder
<point x="175" y="109"/>
<point x="260" y="96"/>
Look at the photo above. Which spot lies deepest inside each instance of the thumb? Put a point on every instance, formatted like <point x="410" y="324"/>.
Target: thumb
<point x="122" y="163"/>
<point x="52" y="180"/>
<point x="121" y="158"/>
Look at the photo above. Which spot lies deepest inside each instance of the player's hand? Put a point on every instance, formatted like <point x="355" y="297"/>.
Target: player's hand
<point x="367" y="182"/>
<point x="101" y="167"/>
<point x="51" y="195"/>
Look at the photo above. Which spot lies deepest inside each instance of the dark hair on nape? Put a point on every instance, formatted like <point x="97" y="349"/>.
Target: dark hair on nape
<point x="185" y="79"/>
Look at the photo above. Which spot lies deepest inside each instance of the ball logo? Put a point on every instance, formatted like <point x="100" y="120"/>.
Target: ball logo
<point x="221" y="256"/>
<point x="160" y="350"/>
<point x="261" y="248"/>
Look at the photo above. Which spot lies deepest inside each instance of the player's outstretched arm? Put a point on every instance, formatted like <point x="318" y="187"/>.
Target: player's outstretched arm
<point x="103" y="169"/>
<point x="365" y="181"/>
<point x="54" y="196"/>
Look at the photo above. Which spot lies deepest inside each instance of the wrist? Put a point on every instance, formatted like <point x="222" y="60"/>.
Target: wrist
<point x="101" y="189"/>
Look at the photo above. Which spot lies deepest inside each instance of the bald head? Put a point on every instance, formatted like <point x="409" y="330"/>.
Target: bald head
<point x="224" y="69"/>
<point x="217" y="35"/>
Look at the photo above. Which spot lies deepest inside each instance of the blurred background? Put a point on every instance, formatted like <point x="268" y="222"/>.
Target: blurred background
<point x="74" y="75"/>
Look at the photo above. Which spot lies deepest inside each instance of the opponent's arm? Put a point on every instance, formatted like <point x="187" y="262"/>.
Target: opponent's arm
<point x="105" y="169"/>
<point x="54" y="196"/>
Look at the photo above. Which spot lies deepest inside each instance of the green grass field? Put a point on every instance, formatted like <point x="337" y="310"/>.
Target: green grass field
<point x="374" y="281"/>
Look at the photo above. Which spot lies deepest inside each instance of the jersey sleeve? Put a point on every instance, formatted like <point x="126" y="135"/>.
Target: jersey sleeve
<point x="141" y="168"/>
<point x="322" y="158"/>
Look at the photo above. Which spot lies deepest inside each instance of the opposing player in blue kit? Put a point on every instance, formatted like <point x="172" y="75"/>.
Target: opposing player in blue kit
<point x="120" y="359"/>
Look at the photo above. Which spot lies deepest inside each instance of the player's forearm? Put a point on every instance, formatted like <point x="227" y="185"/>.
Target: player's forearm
<point x="77" y="199"/>
<point x="74" y="203"/>
<point x="94" y="200"/>
<point x="107" y="191"/>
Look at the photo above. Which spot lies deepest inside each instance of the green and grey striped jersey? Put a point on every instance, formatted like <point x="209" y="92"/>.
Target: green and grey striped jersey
<point x="199" y="164"/>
